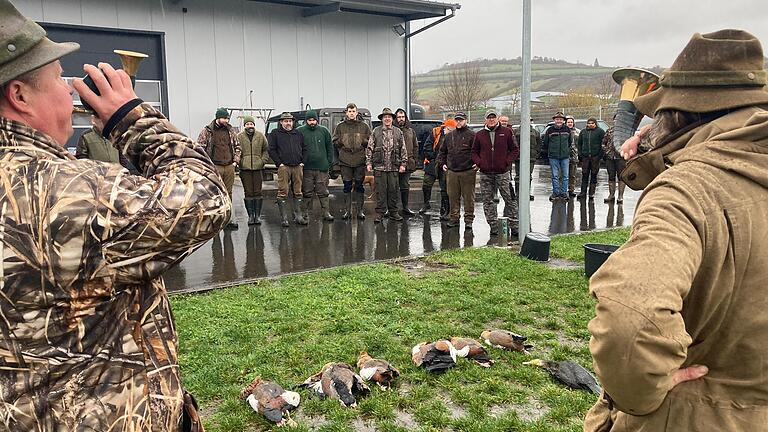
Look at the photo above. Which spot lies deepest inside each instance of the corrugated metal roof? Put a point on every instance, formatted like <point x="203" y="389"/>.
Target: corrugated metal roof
<point x="408" y="10"/>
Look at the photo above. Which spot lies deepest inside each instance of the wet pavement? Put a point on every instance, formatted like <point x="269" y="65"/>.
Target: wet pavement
<point x="252" y="252"/>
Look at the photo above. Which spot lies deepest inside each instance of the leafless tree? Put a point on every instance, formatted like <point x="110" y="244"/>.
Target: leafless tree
<point x="514" y="103"/>
<point x="607" y="88"/>
<point x="463" y="89"/>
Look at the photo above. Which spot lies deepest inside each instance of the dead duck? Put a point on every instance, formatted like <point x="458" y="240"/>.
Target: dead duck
<point x="379" y="371"/>
<point x="434" y="356"/>
<point x="471" y="349"/>
<point x="338" y="381"/>
<point x="506" y="340"/>
<point x="272" y="401"/>
<point x="569" y="373"/>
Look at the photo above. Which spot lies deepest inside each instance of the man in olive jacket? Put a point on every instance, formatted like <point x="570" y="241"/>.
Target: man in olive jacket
<point x="317" y="160"/>
<point x="680" y="332"/>
<point x="253" y="145"/>
<point x="590" y="145"/>
<point x="558" y="140"/>
<point x="412" y="146"/>
<point x="351" y="138"/>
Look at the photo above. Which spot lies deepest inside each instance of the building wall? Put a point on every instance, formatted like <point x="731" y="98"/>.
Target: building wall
<point x="217" y="53"/>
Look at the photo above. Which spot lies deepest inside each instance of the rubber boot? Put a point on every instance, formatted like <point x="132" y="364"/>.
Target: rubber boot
<point x="592" y="188"/>
<point x="257" y="204"/>
<point x="427" y="192"/>
<point x="445" y="209"/>
<point x="325" y="203"/>
<point x="404" y="199"/>
<point x="611" y="192"/>
<point x="298" y="213"/>
<point x="347" y="206"/>
<point x="584" y="185"/>
<point x="249" y="202"/>
<point x="620" y="199"/>
<point x="359" y="205"/>
<point x="283" y="212"/>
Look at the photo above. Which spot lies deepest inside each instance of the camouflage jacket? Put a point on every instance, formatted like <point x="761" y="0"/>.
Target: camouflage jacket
<point x="205" y="139"/>
<point x="608" y="149"/>
<point x="88" y="341"/>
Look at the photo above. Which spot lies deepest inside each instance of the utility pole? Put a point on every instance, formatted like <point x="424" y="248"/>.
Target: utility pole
<point x="524" y="219"/>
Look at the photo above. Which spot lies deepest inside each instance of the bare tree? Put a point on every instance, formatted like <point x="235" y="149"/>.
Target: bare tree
<point x="463" y="89"/>
<point x="414" y="94"/>
<point x="514" y="103"/>
<point x="607" y="88"/>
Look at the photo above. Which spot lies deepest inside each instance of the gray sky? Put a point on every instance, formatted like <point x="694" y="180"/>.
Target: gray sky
<point x="617" y="32"/>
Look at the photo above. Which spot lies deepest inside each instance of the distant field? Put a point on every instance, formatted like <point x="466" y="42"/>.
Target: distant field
<point x="502" y="78"/>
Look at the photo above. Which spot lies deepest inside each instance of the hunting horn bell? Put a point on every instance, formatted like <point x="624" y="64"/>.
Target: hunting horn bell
<point x="634" y="82"/>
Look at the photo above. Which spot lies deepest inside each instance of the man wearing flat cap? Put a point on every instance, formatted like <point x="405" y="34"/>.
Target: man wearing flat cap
<point x="680" y="332"/>
<point x="387" y="156"/>
<point x="219" y="139"/>
<point x="88" y="340"/>
<point x="288" y="150"/>
<point x="558" y="140"/>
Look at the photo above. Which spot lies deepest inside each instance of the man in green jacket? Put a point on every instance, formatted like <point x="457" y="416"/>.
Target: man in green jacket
<point x="253" y="156"/>
<point x="590" y="153"/>
<point x="317" y="161"/>
<point x="680" y="330"/>
<point x="558" y="140"/>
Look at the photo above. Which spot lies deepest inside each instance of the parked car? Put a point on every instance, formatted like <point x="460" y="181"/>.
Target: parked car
<point x="329" y="117"/>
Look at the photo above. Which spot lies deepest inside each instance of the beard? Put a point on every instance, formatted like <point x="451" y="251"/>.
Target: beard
<point x="667" y="123"/>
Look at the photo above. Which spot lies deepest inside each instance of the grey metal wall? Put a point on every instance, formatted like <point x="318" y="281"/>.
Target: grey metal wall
<point x="219" y="51"/>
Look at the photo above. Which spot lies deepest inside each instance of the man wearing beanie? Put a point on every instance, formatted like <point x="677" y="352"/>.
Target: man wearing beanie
<point x="287" y="150"/>
<point x="680" y="331"/>
<point x="317" y="161"/>
<point x="253" y="145"/>
<point x="88" y="340"/>
<point x="219" y="140"/>
<point x="590" y="145"/>
<point x="412" y="146"/>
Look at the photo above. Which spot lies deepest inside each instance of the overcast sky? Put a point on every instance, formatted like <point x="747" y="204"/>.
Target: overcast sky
<point x="617" y="32"/>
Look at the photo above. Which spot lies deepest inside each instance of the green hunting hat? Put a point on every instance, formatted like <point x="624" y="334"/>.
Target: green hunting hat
<point x="248" y="118"/>
<point x="715" y="71"/>
<point x="386" y="112"/>
<point x="286" y="116"/>
<point x="311" y="114"/>
<point x="222" y="113"/>
<point x="23" y="45"/>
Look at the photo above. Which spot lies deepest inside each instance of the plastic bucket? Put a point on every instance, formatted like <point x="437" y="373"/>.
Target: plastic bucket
<point x="536" y="247"/>
<point x="595" y="254"/>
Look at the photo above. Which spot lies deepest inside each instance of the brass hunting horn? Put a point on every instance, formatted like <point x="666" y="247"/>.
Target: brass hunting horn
<point x="634" y="82"/>
<point x="130" y="64"/>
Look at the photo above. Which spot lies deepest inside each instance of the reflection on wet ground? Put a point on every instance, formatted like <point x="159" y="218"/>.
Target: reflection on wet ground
<point x="269" y="249"/>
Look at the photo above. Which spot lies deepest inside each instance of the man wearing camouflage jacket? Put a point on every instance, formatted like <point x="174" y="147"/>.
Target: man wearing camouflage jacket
<point x="88" y="341"/>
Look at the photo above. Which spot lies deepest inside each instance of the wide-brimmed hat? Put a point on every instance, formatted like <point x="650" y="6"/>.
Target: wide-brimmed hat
<point x="386" y="111"/>
<point x="715" y="71"/>
<point x="558" y="115"/>
<point x="23" y="45"/>
<point x="286" y="116"/>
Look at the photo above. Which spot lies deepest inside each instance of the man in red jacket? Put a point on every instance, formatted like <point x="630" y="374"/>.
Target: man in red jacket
<point x="494" y="150"/>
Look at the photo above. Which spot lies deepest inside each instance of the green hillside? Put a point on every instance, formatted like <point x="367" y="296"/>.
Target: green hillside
<point x="502" y="76"/>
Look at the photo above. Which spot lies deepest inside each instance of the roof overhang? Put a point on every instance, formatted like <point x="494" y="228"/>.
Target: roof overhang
<point x="407" y="10"/>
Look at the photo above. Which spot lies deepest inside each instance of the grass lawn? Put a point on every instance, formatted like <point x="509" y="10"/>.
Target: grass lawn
<point x="286" y="329"/>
